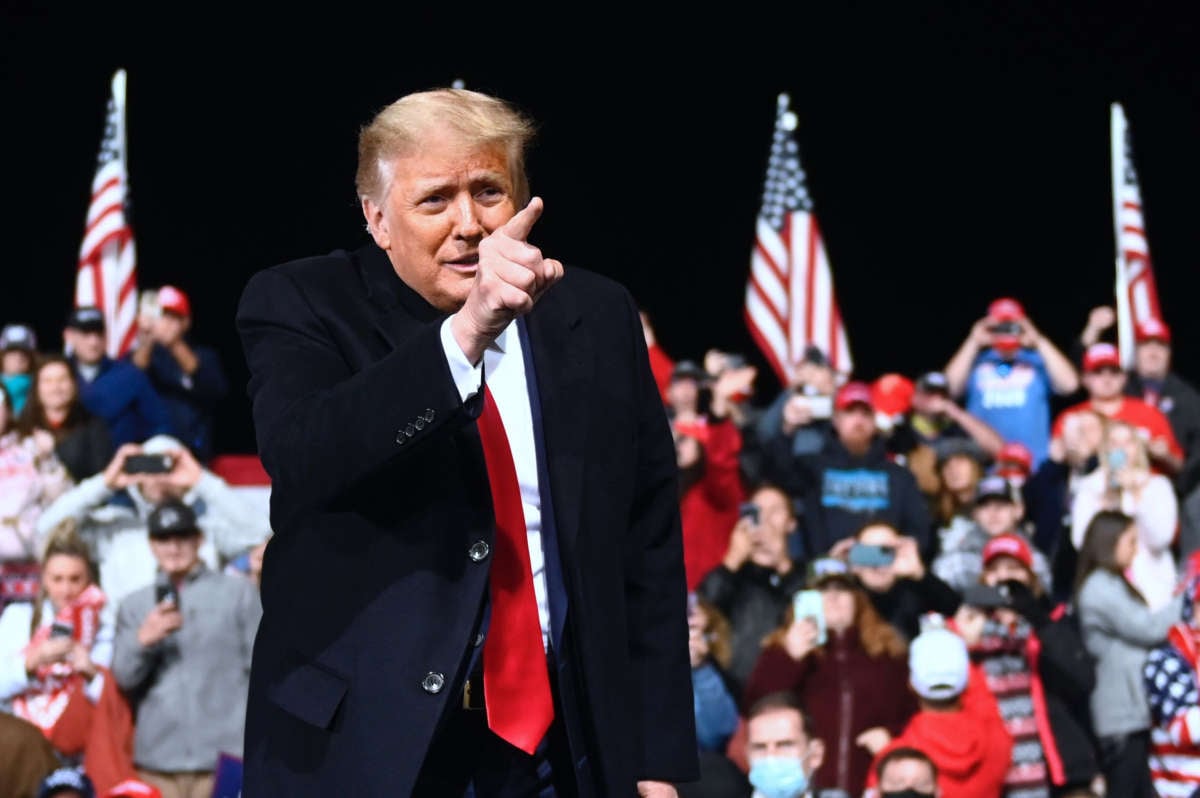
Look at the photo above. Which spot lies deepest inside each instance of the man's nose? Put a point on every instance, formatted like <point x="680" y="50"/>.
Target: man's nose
<point x="467" y="225"/>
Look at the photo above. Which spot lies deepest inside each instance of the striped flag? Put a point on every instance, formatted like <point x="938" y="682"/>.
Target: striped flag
<point x="107" y="273"/>
<point x="790" y="302"/>
<point x="1137" y="294"/>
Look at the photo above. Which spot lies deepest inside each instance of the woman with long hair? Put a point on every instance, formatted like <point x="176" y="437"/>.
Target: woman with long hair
<point x="81" y="440"/>
<point x="31" y="476"/>
<point x="52" y="649"/>
<point x="1119" y="630"/>
<point x="854" y="683"/>
<point x="1124" y="482"/>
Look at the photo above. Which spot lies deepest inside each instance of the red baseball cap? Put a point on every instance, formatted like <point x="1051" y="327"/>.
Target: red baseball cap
<point x="133" y="788"/>
<point x="1006" y="309"/>
<point x="1009" y="545"/>
<point x="172" y="300"/>
<point x="1016" y="454"/>
<point x="1100" y="355"/>
<point x="892" y="394"/>
<point x="854" y="393"/>
<point x="1152" y="329"/>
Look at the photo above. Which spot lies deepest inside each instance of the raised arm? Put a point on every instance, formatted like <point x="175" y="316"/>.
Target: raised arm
<point x="958" y="370"/>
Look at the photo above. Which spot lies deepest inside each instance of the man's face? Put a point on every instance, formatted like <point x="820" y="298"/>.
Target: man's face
<point x="88" y="345"/>
<point x="929" y="403"/>
<point x="768" y="540"/>
<point x="683" y="395"/>
<point x="908" y="774"/>
<point x="157" y="488"/>
<point x="1106" y="382"/>
<point x="1152" y="359"/>
<point x="821" y="379"/>
<point x="176" y="555"/>
<point x="779" y="733"/>
<point x="443" y="199"/>
<point x="997" y="516"/>
<point x="1003" y="568"/>
<point x="855" y="427"/>
<point x="16" y="361"/>
<point x="169" y="327"/>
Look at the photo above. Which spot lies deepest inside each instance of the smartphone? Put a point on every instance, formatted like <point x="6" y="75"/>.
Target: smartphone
<point x="871" y="556"/>
<point x="985" y="597"/>
<point x="749" y="510"/>
<point x="148" y="464"/>
<point x="61" y="629"/>
<point x="166" y="591"/>
<point x="809" y="604"/>
<point x="820" y="406"/>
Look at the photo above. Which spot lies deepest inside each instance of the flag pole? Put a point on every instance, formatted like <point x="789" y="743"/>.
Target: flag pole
<point x="1118" y="132"/>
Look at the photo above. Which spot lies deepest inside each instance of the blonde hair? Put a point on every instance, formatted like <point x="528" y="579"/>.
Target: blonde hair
<point x="479" y="120"/>
<point x="63" y="540"/>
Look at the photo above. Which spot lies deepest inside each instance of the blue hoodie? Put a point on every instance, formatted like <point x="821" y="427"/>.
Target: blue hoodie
<point x="122" y="395"/>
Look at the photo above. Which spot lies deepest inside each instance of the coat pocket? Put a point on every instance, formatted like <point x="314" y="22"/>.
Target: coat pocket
<point x="310" y="693"/>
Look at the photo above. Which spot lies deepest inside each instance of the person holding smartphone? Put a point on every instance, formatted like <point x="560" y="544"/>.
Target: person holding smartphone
<point x="848" y="666"/>
<point x="1124" y="481"/>
<point x="184" y="653"/>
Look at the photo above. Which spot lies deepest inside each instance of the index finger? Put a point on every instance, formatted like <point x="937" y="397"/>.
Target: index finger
<point x="519" y="226"/>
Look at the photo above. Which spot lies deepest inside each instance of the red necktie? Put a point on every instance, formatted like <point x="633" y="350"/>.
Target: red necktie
<point x="516" y="684"/>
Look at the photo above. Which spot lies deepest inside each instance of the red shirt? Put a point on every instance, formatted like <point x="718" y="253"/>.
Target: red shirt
<point x="709" y="508"/>
<point x="1147" y="418"/>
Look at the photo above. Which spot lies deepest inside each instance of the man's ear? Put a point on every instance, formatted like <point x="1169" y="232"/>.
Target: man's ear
<point x="377" y="224"/>
<point x="815" y="756"/>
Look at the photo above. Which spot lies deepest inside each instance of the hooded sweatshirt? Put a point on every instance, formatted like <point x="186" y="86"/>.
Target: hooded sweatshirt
<point x="970" y="746"/>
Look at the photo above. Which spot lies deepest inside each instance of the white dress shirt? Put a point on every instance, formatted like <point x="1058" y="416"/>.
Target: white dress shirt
<point x="505" y="364"/>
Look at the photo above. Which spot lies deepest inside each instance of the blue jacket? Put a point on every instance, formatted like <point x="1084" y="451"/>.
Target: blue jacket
<point x="123" y="396"/>
<point x="190" y="398"/>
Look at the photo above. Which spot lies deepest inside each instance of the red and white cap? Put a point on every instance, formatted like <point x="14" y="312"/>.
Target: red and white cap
<point x="172" y="300"/>
<point x="854" y="393"/>
<point x="1152" y="329"/>
<point x="1006" y="309"/>
<point x="133" y="788"/>
<point x="1100" y="355"/>
<point x="1008" y="545"/>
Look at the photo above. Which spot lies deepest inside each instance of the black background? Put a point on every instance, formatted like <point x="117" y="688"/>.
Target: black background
<point x="955" y="153"/>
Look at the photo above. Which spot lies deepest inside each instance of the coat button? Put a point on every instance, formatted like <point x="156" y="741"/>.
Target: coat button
<point x="433" y="682"/>
<point x="419" y="422"/>
<point x="400" y="438"/>
<point x="409" y="430"/>
<point x="428" y="415"/>
<point x="479" y="551"/>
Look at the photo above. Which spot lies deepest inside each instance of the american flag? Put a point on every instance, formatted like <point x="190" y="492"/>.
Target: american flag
<point x="107" y="273"/>
<point x="1137" y="293"/>
<point x="790" y="301"/>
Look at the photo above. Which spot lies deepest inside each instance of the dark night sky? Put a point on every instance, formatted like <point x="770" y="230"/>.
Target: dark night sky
<point x="953" y="156"/>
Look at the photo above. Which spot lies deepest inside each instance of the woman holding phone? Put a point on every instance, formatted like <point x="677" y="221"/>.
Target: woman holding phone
<point x="1119" y="630"/>
<point x="1125" y="482"/>
<point x="849" y="668"/>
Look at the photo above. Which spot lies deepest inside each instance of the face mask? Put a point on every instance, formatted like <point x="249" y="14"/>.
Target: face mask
<point x="909" y="793"/>
<point x="779" y="777"/>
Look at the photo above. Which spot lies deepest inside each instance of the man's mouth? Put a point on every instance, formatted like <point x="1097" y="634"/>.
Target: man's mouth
<point x="466" y="264"/>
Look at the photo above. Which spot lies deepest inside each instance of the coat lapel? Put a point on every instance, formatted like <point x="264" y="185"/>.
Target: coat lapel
<point x="397" y="309"/>
<point x="562" y="359"/>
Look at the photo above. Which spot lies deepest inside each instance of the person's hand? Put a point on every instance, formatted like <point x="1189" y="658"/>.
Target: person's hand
<point x="1132" y="479"/>
<point x="1058" y="450"/>
<point x="969" y="622"/>
<point x="510" y="277"/>
<point x="115" y="477"/>
<point x="907" y="564"/>
<point x="656" y="789"/>
<point x="733" y="385"/>
<point x="1030" y="335"/>
<point x="162" y="620"/>
<point x="43" y="443"/>
<point x="1024" y="603"/>
<point x="1158" y="448"/>
<point x="981" y="335"/>
<point x="796" y="413"/>
<point x="185" y="471"/>
<point x="841" y="549"/>
<point x="800" y="638"/>
<point x="255" y="559"/>
<point x="874" y="739"/>
<point x="739" y="545"/>
<point x="1099" y="319"/>
<point x="53" y="649"/>
<point x="647" y="329"/>
<point x="80" y="660"/>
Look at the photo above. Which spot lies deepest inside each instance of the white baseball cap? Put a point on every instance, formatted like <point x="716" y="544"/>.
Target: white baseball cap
<point x="938" y="664"/>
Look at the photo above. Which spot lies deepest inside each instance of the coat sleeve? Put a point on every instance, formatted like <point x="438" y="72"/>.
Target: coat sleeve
<point x="312" y="409"/>
<point x="656" y="589"/>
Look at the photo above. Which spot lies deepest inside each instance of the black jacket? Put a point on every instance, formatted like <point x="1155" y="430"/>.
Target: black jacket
<point x="86" y="450"/>
<point x="753" y="599"/>
<point x="909" y="599"/>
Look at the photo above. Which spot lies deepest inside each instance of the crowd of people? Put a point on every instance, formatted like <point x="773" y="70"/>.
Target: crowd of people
<point x="128" y="567"/>
<point x="976" y="581"/>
